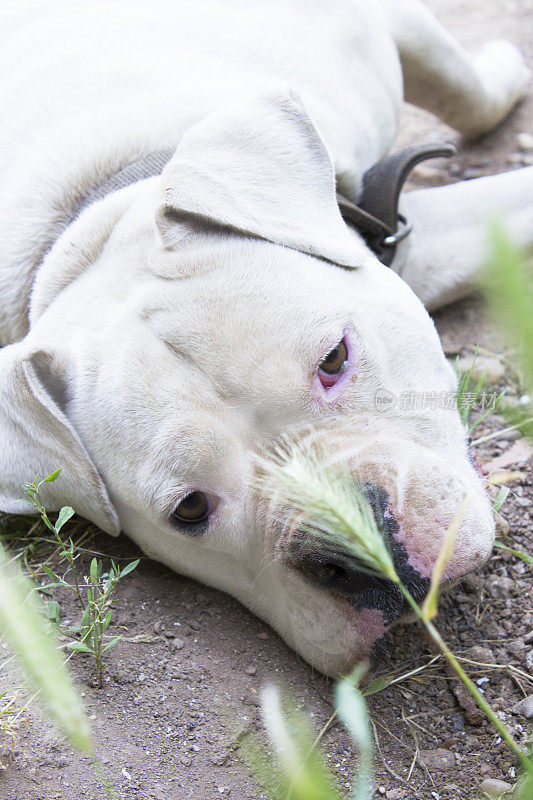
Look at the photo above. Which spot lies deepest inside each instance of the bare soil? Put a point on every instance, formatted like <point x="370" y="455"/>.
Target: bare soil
<point x="177" y="695"/>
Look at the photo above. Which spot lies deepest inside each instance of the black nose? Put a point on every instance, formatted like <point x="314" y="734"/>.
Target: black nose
<point x="341" y="575"/>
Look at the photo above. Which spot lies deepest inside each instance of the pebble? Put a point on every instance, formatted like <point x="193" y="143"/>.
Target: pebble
<point x="521" y="159"/>
<point x="494" y="788"/>
<point x="186" y="761"/>
<point x="177" y="644"/>
<point x="499" y="587"/>
<point x="492" y="366"/>
<point x="525" y="142"/>
<point x="251" y="670"/>
<point x="470" y="172"/>
<point x="437" y="759"/>
<point x="394" y="794"/>
<point x="516" y="647"/>
<point x="524" y="707"/>
<point x="479" y="653"/>
<point x="263" y="636"/>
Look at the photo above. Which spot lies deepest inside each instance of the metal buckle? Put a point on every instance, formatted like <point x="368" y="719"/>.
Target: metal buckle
<point x="393" y="239"/>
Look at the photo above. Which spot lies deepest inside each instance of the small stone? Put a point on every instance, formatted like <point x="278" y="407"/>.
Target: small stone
<point x="381" y="789"/>
<point x="482" y="654"/>
<point x="525" y="142"/>
<point x="493" y="788"/>
<point x="177" y="644"/>
<point x="437" y="759"/>
<point x="493" y="367"/>
<point x="186" y="761"/>
<point x="522" y="159"/>
<point x="499" y="587"/>
<point x="251" y="670"/>
<point x="394" y="794"/>
<point x="485" y="769"/>
<point x="524" y="707"/>
<point x="470" y="172"/>
<point x="220" y="759"/>
<point x="427" y="175"/>
<point x="516" y="648"/>
<point x="263" y="636"/>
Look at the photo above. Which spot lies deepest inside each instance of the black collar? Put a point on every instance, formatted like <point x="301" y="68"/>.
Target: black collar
<point x="375" y="217"/>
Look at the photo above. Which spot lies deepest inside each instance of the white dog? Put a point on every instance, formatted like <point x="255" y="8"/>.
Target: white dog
<point x="162" y="334"/>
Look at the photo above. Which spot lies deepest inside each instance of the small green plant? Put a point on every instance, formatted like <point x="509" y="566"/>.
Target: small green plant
<point x="470" y="395"/>
<point x="11" y="716"/>
<point x="94" y="592"/>
<point x="96" y="610"/>
<point x="24" y="625"/>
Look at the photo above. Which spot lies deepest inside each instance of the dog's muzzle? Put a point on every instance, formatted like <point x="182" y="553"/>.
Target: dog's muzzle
<point x="340" y="575"/>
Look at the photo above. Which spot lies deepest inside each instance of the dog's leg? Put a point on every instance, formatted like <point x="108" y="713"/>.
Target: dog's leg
<point x="449" y="241"/>
<point x="470" y="93"/>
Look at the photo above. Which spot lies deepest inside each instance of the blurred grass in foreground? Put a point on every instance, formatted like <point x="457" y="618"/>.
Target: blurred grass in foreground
<point x="508" y="283"/>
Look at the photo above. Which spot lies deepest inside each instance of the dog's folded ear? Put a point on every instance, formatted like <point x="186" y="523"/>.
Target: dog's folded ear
<point x="36" y="438"/>
<point x="258" y="167"/>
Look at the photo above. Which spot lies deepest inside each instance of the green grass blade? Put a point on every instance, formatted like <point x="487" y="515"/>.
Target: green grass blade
<point x="23" y="624"/>
<point x="517" y="553"/>
<point x="510" y="290"/>
<point x="351" y="709"/>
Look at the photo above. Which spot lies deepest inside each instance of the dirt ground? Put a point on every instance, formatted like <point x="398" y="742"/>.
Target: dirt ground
<point x="167" y="719"/>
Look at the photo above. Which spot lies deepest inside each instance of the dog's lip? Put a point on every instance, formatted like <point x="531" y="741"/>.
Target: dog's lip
<point x="367" y="624"/>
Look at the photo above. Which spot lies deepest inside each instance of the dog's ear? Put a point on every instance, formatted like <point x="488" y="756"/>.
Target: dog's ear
<point x="36" y="438"/>
<point x="258" y="167"/>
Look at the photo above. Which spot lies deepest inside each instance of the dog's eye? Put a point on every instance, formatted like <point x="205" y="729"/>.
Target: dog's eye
<point x="194" y="508"/>
<point x="335" y="361"/>
<point x="334" y="364"/>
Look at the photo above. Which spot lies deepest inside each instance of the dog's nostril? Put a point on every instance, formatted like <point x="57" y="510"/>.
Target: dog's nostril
<point x="338" y="573"/>
<point x="328" y="574"/>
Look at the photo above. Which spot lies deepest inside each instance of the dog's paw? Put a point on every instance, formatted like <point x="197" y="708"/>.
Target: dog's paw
<point x="505" y="79"/>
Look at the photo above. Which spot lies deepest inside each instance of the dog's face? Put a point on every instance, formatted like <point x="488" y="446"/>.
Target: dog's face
<point x="193" y="348"/>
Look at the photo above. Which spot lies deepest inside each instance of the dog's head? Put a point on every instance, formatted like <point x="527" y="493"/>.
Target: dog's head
<point x="181" y="326"/>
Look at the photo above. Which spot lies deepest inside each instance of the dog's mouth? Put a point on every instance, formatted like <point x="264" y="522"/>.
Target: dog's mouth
<point x="348" y="584"/>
